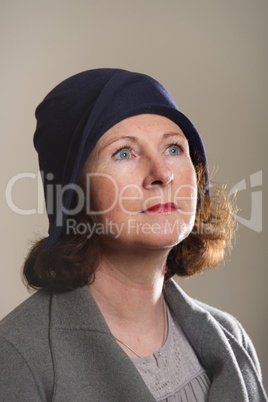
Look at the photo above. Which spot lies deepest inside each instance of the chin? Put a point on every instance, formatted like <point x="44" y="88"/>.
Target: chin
<point x="152" y="234"/>
<point x="160" y="241"/>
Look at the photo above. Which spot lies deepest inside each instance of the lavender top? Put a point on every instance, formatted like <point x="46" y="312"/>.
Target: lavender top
<point x="178" y="375"/>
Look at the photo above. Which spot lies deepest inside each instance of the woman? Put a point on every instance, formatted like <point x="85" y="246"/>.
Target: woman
<point x="129" y="205"/>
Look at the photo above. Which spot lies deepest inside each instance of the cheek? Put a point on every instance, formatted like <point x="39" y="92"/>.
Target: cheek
<point x="186" y="190"/>
<point x="130" y="198"/>
<point x="101" y="193"/>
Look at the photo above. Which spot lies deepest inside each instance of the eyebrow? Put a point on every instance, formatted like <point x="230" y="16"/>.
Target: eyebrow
<point x="167" y="135"/>
<point x="136" y="140"/>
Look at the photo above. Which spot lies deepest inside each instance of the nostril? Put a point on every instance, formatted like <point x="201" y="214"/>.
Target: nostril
<point x="162" y="177"/>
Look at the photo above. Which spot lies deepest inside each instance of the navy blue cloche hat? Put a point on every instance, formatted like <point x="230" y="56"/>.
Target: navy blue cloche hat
<point x="77" y="112"/>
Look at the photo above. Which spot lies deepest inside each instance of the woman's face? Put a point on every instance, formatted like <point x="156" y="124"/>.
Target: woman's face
<point x="141" y="184"/>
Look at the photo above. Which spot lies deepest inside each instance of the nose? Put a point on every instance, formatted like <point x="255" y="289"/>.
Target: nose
<point x="159" y="174"/>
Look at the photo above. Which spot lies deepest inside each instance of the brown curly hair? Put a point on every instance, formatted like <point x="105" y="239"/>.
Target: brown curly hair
<point x="73" y="260"/>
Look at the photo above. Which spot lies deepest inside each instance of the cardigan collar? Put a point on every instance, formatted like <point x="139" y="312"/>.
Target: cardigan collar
<point x="78" y="325"/>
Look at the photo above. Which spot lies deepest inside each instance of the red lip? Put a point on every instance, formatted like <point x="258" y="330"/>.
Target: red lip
<point x="162" y="208"/>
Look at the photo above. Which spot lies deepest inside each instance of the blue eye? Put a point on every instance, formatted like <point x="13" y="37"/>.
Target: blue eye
<point x="174" y="149"/>
<point x="123" y="154"/>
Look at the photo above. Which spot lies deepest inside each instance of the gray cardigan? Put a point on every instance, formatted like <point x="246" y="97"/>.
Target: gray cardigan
<point x="58" y="348"/>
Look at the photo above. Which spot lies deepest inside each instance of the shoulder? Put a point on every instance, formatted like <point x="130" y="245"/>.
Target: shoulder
<point x="26" y="327"/>
<point x="25" y="347"/>
<point x="198" y="310"/>
<point x="204" y="312"/>
<point x="226" y="320"/>
<point x="225" y="324"/>
<point x="30" y="316"/>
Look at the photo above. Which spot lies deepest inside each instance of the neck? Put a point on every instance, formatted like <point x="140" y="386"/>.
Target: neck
<point x="130" y="282"/>
<point x="129" y="293"/>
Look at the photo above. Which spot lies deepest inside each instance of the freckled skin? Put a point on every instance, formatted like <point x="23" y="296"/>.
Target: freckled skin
<point x="142" y="161"/>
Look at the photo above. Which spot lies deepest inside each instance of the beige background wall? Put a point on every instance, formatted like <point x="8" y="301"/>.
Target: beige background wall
<point x="211" y="55"/>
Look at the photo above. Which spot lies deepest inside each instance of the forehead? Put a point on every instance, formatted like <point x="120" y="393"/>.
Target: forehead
<point x="137" y="126"/>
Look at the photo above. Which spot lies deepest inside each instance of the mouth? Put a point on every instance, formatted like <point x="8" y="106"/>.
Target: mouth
<point x="162" y="208"/>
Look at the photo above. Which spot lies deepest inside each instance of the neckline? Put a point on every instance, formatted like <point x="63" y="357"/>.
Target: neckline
<point x="159" y="352"/>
